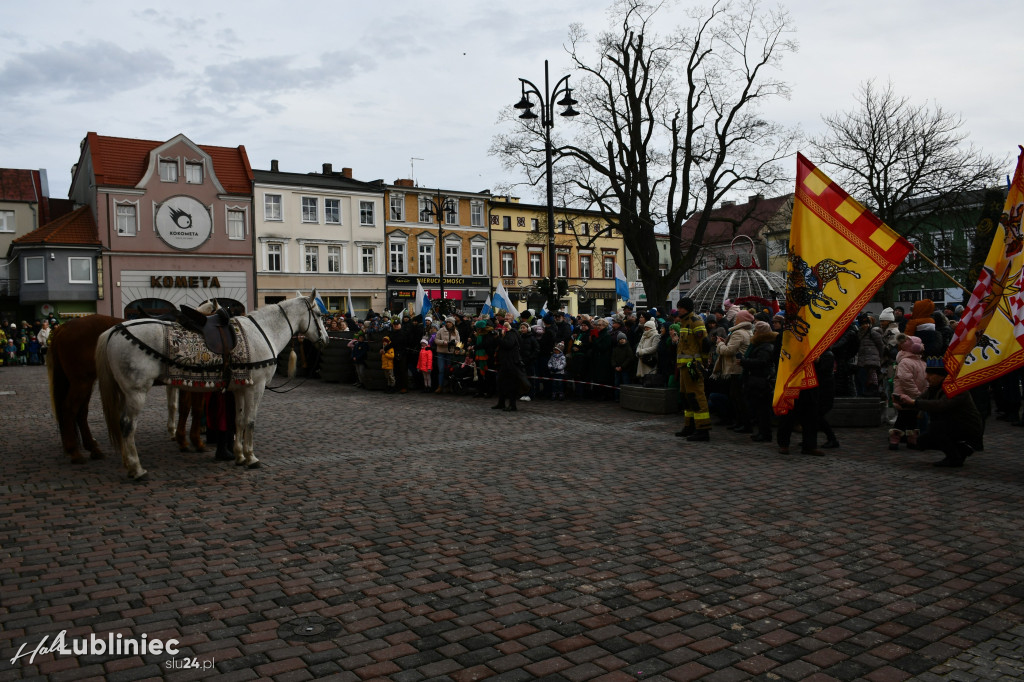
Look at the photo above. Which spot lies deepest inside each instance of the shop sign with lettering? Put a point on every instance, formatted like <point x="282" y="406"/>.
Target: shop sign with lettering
<point x="183" y="223"/>
<point x="184" y="281"/>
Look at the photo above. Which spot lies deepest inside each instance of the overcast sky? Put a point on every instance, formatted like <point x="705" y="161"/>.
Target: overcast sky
<point x="370" y="85"/>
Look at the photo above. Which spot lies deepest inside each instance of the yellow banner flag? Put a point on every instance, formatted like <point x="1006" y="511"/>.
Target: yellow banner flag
<point x="839" y="255"/>
<point x="988" y="341"/>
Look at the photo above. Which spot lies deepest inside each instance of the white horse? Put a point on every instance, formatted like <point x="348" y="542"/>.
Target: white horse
<point x="125" y="371"/>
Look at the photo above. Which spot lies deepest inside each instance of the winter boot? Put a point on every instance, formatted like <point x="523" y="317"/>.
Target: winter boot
<point x="894" y="438"/>
<point x="701" y="436"/>
<point x="688" y="429"/>
<point x="912" y="435"/>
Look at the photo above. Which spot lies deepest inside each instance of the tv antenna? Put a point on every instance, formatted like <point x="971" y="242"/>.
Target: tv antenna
<point x="412" y="166"/>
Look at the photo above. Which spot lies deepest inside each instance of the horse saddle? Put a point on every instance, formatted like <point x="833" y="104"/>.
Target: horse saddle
<point x="215" y="329"/>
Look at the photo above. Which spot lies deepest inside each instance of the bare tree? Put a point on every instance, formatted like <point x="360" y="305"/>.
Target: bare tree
<point x="670" y="125"/>
<point x="906" y="162"/>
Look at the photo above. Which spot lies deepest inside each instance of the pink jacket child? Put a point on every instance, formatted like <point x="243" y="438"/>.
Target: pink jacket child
<point x="426" y="359"/>
<point x="909" y="381"/>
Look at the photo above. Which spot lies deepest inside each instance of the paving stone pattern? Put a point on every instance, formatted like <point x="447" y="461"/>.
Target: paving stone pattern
<point x="412" y="537"/>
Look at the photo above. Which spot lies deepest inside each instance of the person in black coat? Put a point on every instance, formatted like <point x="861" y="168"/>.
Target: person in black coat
<point x="545" y="349"/>
<point x="529" y="348"/>
<point x="956" y="427"/>
<point x="400" y="341"/>
<point x="758" y="379"/>
<point x="510" y="364"/>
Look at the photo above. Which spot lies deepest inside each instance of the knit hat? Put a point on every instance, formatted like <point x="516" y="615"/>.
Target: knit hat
<point x="449" y="319"/>
<point x="762" y="327"/>
<point x="675" y="328"/>
<point x="560" y="346"/>
<point x="912" y="344"/>
<point x="548" y="319"/>
<point x="424" y="342"/>
<point x="621" y="336"/>
<point x="887" y="315"/>
<point x="744" y="316"/>
<point x="685" y="303"/>
<point x="650" y="324"/>
<point x="480" y="324"/>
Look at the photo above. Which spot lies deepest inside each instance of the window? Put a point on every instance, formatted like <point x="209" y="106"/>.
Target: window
<point x="80" y="270"/>
<point x="332" y="211"/>
<point x="451" y="212"/>
<point x="310" y="210"/>
<point x="944" y="250"/>
<point x="426" y="258"/>
<point x="479" y="260"/>
<point x="6" y="221"/>
<point x="396" y="202"/>
<point x="561" y="227"/>
<point x="535" y="264"/>
<point x="312" y="258"/>
<point x="274" y="257"/>
<point x="476" y="214"/>
<point x="609" y="267"/>
<point x="562" y="265"/>
<point x="366" y="213"/>
<point x="913" y="260"/>
<point x="194" y="173"/>
<point x="169" y="171"/>
<point x="272" y="207"/>
<point x="662" y="269"/>
<point x="585" y="228"/>
<point x="333" y="259"/>
<point x="506" y="222"/>
<point x="719" y="263"/>
<point x="367" y="260"/>
<point x="686" y="277"/>
<point x="397" y="251"/>
<point x="584" y="267"/>
<point x="702" y="269"/>
<point x="508" y="264"/>
<point x="452" y="258"/>
<point x="535" y="224"/>
<point x="34" y="270"/>
<point x="236" y="224"/>
<point x="126" y="223"/>
<point x="425" y="210"/>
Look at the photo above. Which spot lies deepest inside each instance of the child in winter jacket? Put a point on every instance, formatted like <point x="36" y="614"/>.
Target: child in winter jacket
<point x="909" y="381"/>
<point x="556" y="368"/>
<point x="425" y="363"/>
<point x="387" y="363"/>
<point x="359" y="348"/>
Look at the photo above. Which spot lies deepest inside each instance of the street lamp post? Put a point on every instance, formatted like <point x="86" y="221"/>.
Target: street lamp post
<point x="547" y="121"/>
<point x="440" y="205"/>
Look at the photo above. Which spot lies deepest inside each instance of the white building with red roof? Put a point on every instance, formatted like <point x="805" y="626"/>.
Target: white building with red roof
<point x="174" y="220"/>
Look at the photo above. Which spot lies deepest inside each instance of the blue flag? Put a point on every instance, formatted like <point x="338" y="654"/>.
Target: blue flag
<point x="486" y="310"/>
<point x="320" y="304"/>
<point x="422" y="301"/>
<point x="501" y="300"/>
<point x="621" y="285"/>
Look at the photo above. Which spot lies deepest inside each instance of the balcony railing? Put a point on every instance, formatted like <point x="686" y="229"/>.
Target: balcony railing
<point x="9" y="287"/>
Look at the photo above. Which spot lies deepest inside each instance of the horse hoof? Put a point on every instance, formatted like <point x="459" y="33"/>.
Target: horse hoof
<point x="254" y="465"/>
<point x="78" y="458"/>
<point x="139" y="477"/>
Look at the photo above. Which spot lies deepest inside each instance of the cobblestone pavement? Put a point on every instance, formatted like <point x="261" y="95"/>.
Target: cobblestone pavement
<point x="413" y="537"/>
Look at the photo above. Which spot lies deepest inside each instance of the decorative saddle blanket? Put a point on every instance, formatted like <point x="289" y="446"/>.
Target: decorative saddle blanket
<point x="192" y="364"/>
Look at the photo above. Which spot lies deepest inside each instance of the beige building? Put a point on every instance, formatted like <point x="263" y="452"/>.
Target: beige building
<point x="424" y="247"/>
<point x="319" y="230"/>
<point x="586" y="253"/>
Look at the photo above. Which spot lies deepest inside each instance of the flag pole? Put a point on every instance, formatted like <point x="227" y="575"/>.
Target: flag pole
<point x="936" y="266"/>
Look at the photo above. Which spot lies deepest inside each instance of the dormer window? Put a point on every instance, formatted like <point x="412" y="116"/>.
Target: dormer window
<point x="169" y="171"/>
<point x="194" y="173"/>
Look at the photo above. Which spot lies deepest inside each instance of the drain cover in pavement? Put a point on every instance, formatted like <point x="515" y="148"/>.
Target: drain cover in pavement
<point x="309" y="629"/>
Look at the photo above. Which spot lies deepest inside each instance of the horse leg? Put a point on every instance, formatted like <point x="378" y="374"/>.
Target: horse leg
<point x="83" y="394"/>
<point x="240" y="428"/>
<point x="172" y="411"/>
<point x="252" y="406"/>
<point x="182" y="403"/>
<point x="68" y="403"/>
<point x="133" y="403"/>
<point x="197" y="404"/>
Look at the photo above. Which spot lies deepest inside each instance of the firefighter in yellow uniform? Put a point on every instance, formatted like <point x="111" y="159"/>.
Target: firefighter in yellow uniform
<point x="693" y="348"/>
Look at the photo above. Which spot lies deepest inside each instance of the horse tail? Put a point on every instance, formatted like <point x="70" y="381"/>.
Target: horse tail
<point x="111" y="395"/>
<point x="52" y="373"/>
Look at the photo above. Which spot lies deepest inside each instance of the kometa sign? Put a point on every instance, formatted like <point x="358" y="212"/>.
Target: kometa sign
<point x="183" y="223"/>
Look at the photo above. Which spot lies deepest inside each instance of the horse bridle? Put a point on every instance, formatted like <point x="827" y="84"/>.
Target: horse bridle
<point x="310" y="319"/>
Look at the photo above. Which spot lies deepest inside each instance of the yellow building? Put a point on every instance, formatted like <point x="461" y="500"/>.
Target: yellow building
<point x="586" y="253"/>
<point x="422" y="250"/>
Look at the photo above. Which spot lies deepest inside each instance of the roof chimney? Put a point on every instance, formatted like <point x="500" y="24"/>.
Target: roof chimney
<point x="728" y="203"/>
<point x="404" y="182"/>
<point x="755" y="197"/>
<point x="346" y="173"/>
<point x="273" y="166"/>
<point x="328" y="169"/>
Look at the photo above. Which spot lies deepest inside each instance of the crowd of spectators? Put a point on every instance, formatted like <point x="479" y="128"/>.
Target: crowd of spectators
<point x="25" y="343"/>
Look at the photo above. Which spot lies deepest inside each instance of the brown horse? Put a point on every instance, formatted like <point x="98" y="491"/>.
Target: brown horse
<point x="71" y="366"/>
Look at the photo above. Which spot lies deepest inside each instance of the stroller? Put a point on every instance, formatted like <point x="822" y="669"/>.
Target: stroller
<point x="459" y="376"/>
